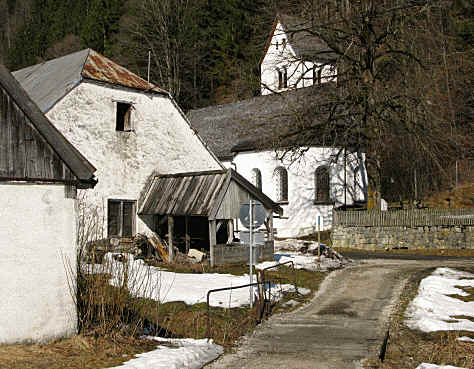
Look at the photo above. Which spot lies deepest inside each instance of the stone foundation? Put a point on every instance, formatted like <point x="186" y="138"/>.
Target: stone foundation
<point x="426" y="237"/>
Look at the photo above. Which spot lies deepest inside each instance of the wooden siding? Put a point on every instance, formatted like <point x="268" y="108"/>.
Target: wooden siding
<point x="24" y="153"/>
<point x="234" y="197"/>
<point x="405" y="218"/>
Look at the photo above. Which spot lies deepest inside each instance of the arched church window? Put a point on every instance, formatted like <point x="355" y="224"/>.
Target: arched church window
<point x="321" y="184"/>
<point x="257" y="178"/>
<point x="280" y="184"/>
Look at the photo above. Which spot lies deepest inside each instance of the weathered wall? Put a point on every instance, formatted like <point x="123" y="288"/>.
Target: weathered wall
<point x="162" y="140"/>
<point x="37" y="241"/>
<point x="380" y="238"/>
<point x="300" y="209"/>
<point x="235" y="254"/>
<point x="300" y="73"/>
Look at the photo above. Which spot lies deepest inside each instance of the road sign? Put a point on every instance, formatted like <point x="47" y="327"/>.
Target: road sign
<point x="259" y="214"/>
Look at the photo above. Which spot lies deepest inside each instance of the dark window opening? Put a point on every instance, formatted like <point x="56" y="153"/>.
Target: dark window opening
<point x="283" y="43"/>
<point x="121" y="218"/>
<point x="321" y="183"/>
<point x="257" y="178"/>
<point x="282" y="78"/>
<point x="123" y="121"/>
<point x="280" y="179"/>
<point x="316" y="75"/>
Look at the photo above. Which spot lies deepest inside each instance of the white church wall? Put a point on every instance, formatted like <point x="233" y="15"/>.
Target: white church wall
<point x="161" y="141"/>
<point x="281" y="55"/>
<point x="301" y="211"/>
<point x="37" y="249"/>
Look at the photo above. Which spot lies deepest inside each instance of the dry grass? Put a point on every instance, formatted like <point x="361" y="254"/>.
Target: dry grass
<point x="462" y="198"/>
<point x="78" y="352"/>
<point x="421" y="252"/>
<point x="408" y="348"/>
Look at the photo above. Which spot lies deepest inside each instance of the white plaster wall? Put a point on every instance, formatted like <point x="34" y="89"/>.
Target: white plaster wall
<point x="300" y="210"/>
<point x="162" y="140"/>
<point x="300" y="73"/>
<point x="37" y="240"/>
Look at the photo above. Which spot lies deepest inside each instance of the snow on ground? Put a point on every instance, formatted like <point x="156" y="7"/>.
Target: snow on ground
<point x="301" y="261"/>
<point x="165" y="286"/>
<point x="432" y="310"/>
<point x="180" y="353"/>
<point x="465" y="339"/>
<point x="434" y="366"/>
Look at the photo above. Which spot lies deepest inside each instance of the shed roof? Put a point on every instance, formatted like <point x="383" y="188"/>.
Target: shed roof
<point x="306" y="45"/>
<point x="49" y="82"/>
<point x="253" y="124"/>
<point x="76" y="162"/>
<point x="195" y="194"/>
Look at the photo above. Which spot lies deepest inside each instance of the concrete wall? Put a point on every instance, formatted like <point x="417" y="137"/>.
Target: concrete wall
<point x="300" y="209"/>
<point x="236" y="253"/>
<point x="300" y="73"/>
<point x="161" y="140"/>
<point x="37" y="239"/>
<point x="380" y="238"/>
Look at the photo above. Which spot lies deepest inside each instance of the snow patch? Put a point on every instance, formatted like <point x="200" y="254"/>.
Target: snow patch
<point x="434" y="366"/>
<point x="465" y="339"/>
<point x="433" y="310"/>
<point x="180" y="353"/>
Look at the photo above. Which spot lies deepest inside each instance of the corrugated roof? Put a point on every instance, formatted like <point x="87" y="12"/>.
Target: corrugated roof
<point x="49" y="82"/>
<point x="194" y="194"/>
<point x="253" y="124"/>
<point x="76" y="162"/>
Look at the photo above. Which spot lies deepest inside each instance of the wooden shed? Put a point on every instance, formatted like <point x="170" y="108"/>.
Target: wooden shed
<point x="201" y="210"/>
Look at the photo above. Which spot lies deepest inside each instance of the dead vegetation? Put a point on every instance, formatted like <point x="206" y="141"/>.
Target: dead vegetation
<point x="408" y="348"/>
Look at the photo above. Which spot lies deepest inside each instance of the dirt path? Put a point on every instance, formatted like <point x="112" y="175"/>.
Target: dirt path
<point x="345" y="323"/>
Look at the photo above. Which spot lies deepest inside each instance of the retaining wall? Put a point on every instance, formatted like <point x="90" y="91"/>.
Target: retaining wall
<point x="237" y="253"/>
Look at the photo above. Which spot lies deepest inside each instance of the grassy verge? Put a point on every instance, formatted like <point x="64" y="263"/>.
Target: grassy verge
<point x="432" y="252"/>
<point x="112" y="320"/>
<point x="408" y="348"/>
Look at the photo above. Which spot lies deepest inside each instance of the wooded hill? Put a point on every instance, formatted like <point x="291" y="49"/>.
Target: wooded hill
<point x="207" y="51"/>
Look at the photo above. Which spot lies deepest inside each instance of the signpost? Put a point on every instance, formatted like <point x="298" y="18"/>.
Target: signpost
<point x="252" y="215"/>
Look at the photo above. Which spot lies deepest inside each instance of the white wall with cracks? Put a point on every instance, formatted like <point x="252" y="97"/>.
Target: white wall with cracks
<point x="37" y="246"/>
<point x="161" y="141"/>
<point x="301" y="211"/>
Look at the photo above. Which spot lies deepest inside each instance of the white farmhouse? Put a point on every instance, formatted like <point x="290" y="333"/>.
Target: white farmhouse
<point x="127" y="128"/>
<point x="294" y="58"/>
<point x="40" y="172"/>
<point x="243" y="134"/>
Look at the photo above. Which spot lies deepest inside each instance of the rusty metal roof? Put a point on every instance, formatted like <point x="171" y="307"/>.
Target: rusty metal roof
<point x="48" y="82"/>
<point x="194" y="194"/>
<point x="100" y="68"/>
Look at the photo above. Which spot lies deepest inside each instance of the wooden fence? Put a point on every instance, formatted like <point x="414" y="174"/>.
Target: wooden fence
<point x="405" y="218"/>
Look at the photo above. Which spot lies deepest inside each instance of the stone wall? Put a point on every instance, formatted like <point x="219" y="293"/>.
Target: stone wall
<point x="237" y="253"/>
<point x="420" y="237"/>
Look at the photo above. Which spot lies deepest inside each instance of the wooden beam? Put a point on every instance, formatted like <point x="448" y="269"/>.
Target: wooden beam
<point x="271" y="233"/>
<point x="187" y="235"/>
<point x="212" y="240"/>
<point x="170" y="237"/>
<point x="230" y="230"/>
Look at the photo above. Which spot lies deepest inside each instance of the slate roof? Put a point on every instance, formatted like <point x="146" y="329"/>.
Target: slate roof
<point x="195" y="194"/>
<point x="305" y="45"/>
<point x="49" y="82"/>
<point x="252" y="124"/>
<point x="76" y="162"/>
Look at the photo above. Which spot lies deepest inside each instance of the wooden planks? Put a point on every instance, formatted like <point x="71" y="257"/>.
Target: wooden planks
<point x="24" y="153"/>
<point x="405" y="218"/>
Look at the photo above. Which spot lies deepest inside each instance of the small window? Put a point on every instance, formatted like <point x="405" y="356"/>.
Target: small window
<point x="280" y="183"/>
<point x="276" y="45"/>
<point x="121" y="218"/>
<point x="316" y="75"/>
<point x="282" y="78"/>
<point x="321" y="184"/>
<point x="283" y="43"/>
<point x="123" y="118"/>
<point x="257" y="178"/>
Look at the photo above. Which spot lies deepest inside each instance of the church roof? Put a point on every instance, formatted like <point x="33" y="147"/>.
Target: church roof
<point x="47" y="83"/>
<point x="305" y="45"/>
<point x="252" y="124"/>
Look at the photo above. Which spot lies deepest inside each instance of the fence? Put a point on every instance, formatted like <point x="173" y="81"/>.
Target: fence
<point x="405" y="218"/>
